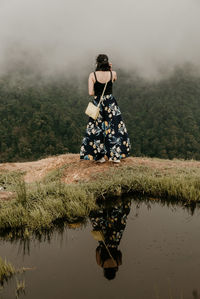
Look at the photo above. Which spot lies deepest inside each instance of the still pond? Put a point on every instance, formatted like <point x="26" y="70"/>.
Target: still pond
<point x="133" y="248"/>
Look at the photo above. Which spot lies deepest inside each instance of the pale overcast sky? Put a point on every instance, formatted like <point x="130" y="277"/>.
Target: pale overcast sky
<point x="143" y="34"/>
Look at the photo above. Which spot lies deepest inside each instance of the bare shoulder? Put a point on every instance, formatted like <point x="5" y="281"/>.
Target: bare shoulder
<point x="91" y="76"/>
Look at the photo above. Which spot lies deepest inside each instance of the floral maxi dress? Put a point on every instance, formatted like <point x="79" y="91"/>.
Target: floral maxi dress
<point x="107" y="135"/>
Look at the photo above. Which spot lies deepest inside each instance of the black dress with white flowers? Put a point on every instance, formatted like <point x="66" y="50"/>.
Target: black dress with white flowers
<point x="107" y="135"/>
<point x="111" y="221"/>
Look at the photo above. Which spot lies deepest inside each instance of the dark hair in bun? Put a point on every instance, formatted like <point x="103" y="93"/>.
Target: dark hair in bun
<point x="102" y="63"/>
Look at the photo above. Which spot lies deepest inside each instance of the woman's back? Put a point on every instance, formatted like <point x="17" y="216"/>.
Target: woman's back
<point x="104" y="76"/>
<point x="100" y="78"/>
<point x="99" y="85"/>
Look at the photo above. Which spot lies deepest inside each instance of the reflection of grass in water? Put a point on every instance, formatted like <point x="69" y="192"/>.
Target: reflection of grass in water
<point x="195" y="294"/>
<point x="20" y="287"/>
<point x="171" y="295"/>
<point x="7" y="271"/>
<point x="38" y="205"/>
<point x="43" y="235"/>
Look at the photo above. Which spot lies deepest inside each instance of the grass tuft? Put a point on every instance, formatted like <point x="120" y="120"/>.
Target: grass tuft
<point x="7" y="270"/>
<point x="38" y="205"/>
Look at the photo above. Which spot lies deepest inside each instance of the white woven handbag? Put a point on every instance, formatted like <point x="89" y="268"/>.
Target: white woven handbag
<point x="92" y="110"/>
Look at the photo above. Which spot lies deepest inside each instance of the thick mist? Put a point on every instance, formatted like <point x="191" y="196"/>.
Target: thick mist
<point x="65" y="36"/>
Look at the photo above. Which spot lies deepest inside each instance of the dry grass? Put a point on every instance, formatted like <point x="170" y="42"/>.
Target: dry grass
<point x="70" y="191"/>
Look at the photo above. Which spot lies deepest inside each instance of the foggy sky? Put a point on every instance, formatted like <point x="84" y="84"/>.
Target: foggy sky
<point x="66" y="35"/>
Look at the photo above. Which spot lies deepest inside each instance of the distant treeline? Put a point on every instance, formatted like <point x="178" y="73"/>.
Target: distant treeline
<point x="41" y="117"/>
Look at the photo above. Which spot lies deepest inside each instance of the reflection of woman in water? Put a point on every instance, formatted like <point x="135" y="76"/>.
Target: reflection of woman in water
<point x="110" y="222"/>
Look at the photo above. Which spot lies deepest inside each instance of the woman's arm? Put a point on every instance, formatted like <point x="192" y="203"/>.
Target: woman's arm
<point x="91" y="84"/>
<point x="113" y="73"/>
<point x="114" y="76"/>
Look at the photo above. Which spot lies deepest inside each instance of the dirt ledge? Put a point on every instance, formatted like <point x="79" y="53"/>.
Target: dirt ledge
<point x="76" y="169"/>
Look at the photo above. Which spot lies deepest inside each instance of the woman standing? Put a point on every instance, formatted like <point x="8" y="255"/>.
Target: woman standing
<point x="107" y="135"/>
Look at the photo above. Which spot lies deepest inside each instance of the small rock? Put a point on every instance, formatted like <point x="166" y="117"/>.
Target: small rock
<point x="1" y="188"/>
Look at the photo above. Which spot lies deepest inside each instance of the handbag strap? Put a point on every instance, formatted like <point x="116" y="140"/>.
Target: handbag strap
<point x="103" y="240"/>
<point x="102" y="95"/>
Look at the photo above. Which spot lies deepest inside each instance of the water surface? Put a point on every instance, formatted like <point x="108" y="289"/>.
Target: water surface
<point x="160" y="258"/>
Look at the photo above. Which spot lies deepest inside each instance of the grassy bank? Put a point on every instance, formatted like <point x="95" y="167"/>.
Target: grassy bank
<point x="37" y="206"/>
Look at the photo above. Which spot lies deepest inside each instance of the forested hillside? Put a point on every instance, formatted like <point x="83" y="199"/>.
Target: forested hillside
<point x="40" y="117"/>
